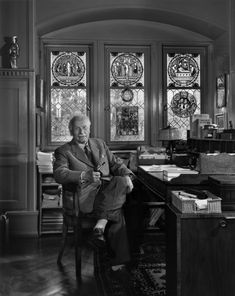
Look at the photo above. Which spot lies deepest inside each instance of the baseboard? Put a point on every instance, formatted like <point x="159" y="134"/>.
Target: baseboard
<point x="23" y="223"/>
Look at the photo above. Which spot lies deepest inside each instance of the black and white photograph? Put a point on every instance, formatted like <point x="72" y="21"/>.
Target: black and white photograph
<point x="117" y="148"/>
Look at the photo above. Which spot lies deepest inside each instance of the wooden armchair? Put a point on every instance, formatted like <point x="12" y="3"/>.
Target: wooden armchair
<point x="75" y="220"/>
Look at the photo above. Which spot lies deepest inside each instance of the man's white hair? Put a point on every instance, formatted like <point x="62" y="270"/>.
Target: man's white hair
<point x="78" y="117"/>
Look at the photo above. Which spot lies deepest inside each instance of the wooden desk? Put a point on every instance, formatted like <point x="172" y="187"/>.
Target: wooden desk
<point x="200" y="255"/>
<point x="154" y="193"/>
<point x="200" y="248"/>
<point x="161" y="188"/>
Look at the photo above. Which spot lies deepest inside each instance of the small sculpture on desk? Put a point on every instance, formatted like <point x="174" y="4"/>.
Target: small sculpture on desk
<point x="14" y="52"/>
<point x="230" y="124"/>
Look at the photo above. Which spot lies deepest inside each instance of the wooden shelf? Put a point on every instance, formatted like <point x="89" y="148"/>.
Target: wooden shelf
<point x="50" y="218"/>
<point x="211" y="145"/>
<point x="49" y="184"/>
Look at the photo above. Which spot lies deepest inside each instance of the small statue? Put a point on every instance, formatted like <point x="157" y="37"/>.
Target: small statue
<point x="14" y="52"/>
<point x="230" y="124"/>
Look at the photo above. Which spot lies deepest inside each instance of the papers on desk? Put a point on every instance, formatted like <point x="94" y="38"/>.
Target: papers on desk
<point x="153" y="156"/>
<point x="157" y="168"/>
<point x="169" y="171"/>
<point x="200" y="203"/>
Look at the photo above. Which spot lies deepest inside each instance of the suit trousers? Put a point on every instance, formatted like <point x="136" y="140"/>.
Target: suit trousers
<point x="108" y="204"/>
<point x="117" y="239"/>
<point x="111" y="196"/>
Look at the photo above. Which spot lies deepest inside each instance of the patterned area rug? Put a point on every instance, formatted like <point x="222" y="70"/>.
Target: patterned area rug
<point x="148" y="274"/>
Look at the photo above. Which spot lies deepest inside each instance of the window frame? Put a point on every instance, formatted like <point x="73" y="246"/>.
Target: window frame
<point x="184" y="49"/>
<point x="127" y="48"/>
<point x="47" y="144"/>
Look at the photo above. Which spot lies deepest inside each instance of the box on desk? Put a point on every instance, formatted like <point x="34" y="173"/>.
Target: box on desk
<point x="187" y="204"/>
<point x="197" y="124"/>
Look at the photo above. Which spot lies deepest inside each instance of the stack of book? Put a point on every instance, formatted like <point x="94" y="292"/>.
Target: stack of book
<point x="45" y="162"/>
<point x="155" y="215"/>
<point x="52" y="221"/>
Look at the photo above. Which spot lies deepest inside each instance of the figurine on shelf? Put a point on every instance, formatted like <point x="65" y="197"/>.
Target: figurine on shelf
<point x="230" y="124"/>
<point x="14" y="52"/>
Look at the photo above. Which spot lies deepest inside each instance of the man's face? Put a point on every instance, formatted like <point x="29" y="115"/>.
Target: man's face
<point x="81" y="131"/>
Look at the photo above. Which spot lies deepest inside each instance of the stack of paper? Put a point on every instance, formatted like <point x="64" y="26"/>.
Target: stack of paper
<point x="153" y="156"/>
<point x="171" y="173"/>
<point x="51" y="201"/>
<point x="45" y="162"/>
<point x="157" y="168"/>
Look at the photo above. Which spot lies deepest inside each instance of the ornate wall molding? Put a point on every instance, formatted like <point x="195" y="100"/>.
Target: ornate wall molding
<point x="15" y="72"/>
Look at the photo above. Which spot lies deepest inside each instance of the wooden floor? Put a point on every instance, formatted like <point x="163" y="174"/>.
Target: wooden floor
<point x="28" y="267"/>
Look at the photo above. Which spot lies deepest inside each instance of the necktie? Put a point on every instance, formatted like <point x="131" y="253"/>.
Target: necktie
<point x="88" y="152"/>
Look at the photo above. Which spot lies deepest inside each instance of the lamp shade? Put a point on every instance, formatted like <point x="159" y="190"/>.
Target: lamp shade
<point x="168" y="134"/>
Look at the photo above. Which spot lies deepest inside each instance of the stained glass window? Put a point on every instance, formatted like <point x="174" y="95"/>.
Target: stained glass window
<point x="183" y="70"/>
<point x="64" y="104"/>
<point x="127" y="96"/>
<point x="183" y="89"/>
<point x="68" y="91"/>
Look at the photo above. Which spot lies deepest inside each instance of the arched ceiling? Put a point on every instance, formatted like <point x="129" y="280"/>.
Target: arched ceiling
<point x="184" y="21"/>
<point x="126" y="30"/>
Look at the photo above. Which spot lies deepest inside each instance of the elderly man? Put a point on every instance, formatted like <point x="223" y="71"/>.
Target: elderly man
<point x="86" y="166"/>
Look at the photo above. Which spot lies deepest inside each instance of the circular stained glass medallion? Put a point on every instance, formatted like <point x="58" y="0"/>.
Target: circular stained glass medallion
<point x="127" y="95"/>
<point x="68" y="69"/>
<point x="183" y="70"/>
<point x="183" y="104"/>
<point x="127" y="69"/>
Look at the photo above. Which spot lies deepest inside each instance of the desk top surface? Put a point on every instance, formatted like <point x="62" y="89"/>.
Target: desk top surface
<point x="182" y="176"/>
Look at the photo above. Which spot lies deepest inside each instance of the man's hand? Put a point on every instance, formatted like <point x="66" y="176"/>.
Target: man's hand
<point x="96" y="176"/>
<point x="130" y="185"/>
<point x="90" y="176"/>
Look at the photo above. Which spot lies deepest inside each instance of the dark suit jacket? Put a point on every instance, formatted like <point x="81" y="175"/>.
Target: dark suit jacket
<point x="71" y="161"/>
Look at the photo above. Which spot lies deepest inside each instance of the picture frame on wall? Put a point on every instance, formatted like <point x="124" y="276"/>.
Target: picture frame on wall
<point x="221" y="90"/>
<point x="39" y="91"/>
<point x="38" y="130"/>
<point x="221" y="120"/>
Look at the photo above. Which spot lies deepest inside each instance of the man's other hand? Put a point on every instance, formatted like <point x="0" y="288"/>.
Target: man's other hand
<point x="91" y="176"/>
<point x="130" y="185"/>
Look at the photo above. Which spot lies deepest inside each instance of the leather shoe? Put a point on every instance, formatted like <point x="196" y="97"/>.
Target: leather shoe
<point x="120" y="274"/>
<point x="97" y="239"/>
<point x="123" y="277"/>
